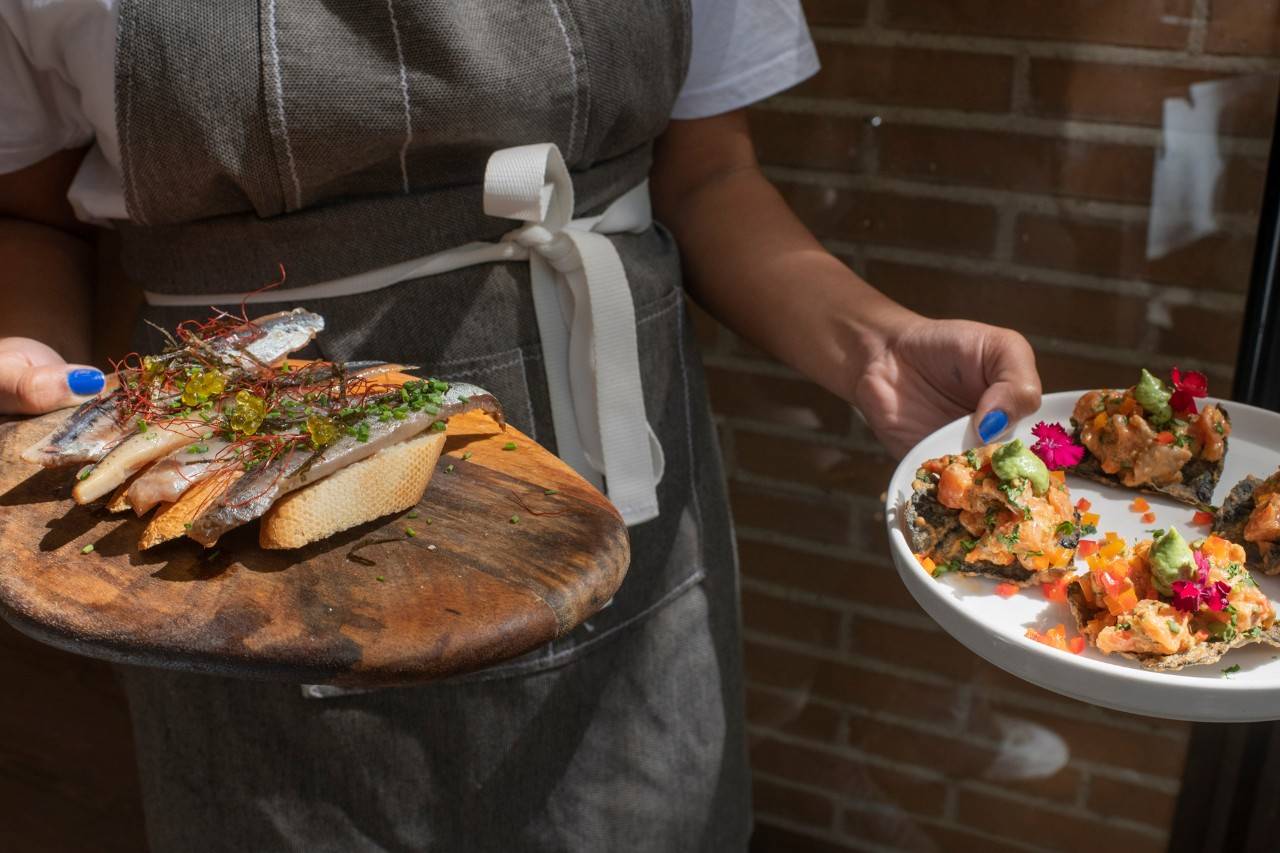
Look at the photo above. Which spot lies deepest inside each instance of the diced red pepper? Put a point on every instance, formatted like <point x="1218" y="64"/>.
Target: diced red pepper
<point x="1165" y="437"/>
<point x="1075" y="645"/>
<point x="1148" y="518"/>
<point x="1202" y="517"/>
<point x="1086" y="547"/>
<point x="1006" y="590"/>
<point x="1139" y="505"/>
<point x="1083" y="505"/>
<point x="1056" y="590"/>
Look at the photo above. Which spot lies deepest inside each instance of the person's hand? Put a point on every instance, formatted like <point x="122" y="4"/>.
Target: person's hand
<point x="931" y="372"/>
<point x="34" y="379"/>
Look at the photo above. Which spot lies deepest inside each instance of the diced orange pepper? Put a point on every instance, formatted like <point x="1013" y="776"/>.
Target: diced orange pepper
<point x="1217" y="548"/>
<point x="1129" y="406"/>
<point x="927" y="562"/>
<point x="1089" y="518"/>
<point x="1100" y="420"/>
<point x="1139" y="505"/>
<point x="1148" y="517"/>
<point x="1083" y="505"/>
<point x="1040" y="563"/>
<point x="1121" y="602"/>
<point x="1202" y="517"/>
<point x="1086" y="547"/>
<point x="1165" y="437"/>
<point x="1058" y="477"/>
<point x="1112" y="548"/>
<point x="1006" y="590"/>
<point x="1076" y="645"/>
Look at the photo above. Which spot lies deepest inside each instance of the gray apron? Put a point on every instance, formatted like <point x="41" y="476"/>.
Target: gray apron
<point x="343" y="136"/>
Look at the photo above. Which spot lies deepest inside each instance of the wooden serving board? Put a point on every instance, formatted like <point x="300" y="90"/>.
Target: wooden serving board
<point x="371" y="606"/>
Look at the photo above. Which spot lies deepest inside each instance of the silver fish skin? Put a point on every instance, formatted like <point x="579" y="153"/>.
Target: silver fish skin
<point x="96" y="427"/>
<point x="253" y="494"/>
<point x="169" y="477"/>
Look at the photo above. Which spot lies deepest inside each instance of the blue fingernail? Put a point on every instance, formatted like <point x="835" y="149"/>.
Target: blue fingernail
<point x="992" y="425"/>
<point x="85" y="381"/>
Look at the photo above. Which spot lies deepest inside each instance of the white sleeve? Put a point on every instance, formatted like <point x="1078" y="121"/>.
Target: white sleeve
<point x="40" y="111"/>
<point x="743" y="51"/>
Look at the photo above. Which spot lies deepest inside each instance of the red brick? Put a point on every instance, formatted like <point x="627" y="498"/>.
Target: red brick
<point x="822" y="465"/>
<point x="1144" y="23"/>
<point x="835" y="12"/>
<point x="848" y="778"/>
<point x="792" y="804"/>
<point x="1091" y="740"/>
<point x="767" y="838"/>
<point x="1135" y="94"/>
<point x="916" y="77"/>
<point x="894" y="220"/>
<point x="1116" y="249"/>
<point x="794" y="403"/>
<point x="1056" y="311"/>
<point x="957" y="839"/>
<point x="807" y="141"/>
<point x="790" y="620"/>
<point x="1060" y="372"/>
<point x="1018" y="821"/>
<point x="851" y="685"/>
<point x="792" y="714"/>
<point x="931" y="651"/>
<point x="815" y="519"/>
<point x="1126" y="799"/>
<point x="873" y="585"/>
<point x="1244" y="27"/>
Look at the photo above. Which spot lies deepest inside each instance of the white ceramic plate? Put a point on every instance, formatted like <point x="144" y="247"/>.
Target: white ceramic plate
<point x="995" y="627"/>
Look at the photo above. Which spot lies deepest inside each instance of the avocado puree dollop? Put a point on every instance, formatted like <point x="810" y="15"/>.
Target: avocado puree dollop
<point x="1014" y="461"/>
<point x="1152" y="394"/>
<point x="1169" y="556"/>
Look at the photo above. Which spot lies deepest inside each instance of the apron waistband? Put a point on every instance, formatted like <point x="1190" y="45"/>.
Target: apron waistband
<point x="584" y="310"/>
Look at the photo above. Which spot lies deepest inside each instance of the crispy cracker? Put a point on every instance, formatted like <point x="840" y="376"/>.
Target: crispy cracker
<point x="935" y="530"/>
<point x="1205" y="653"/>
<point x="1230" y="521"/>
<point x="1199" y="476"/>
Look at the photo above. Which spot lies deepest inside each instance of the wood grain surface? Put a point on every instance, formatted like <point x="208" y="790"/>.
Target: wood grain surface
<point x="371" y="606"/>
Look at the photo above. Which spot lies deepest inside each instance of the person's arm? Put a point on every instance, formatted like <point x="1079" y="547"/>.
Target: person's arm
<point x="46" y="280"/>
<point x="754" y="266"/>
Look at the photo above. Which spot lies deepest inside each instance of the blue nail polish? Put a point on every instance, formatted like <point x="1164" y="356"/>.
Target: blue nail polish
<point x="85" y="380"/>
<point x="992" y="425"/>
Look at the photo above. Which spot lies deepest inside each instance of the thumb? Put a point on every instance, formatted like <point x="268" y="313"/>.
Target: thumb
<point x="1013" y="389"/>
<point x="28" y="388"/>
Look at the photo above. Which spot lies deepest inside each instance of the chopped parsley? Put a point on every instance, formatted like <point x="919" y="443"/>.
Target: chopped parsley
<point x="510" y="445"/>
<point x="1013" y="491"/>
<point x="972" y="459"/>
<point x="968" y="545"/>
<point x="1254" y="633"/>
<point x="1088" y="529"/>
<point x="198" y="448"/>
<point x="1231" y="670"/>
<point x="991" y="518"/>
<point x="1066" y="528"/>
<point x="1010" y="538"/>
<point x="439" y="426"/>
<point x="1218" y="428"/>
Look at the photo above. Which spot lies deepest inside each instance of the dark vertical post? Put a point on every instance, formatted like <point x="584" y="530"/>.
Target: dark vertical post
<point x="1231" y="779"/>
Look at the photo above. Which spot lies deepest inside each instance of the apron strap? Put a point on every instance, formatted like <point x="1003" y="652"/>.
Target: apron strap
<point x="584" y="309"/>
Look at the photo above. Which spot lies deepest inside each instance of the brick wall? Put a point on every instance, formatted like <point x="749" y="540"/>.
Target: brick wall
<point x="991" y="159"/>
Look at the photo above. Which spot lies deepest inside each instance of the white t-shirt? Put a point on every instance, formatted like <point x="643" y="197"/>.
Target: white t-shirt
<point x="57" y="79"/>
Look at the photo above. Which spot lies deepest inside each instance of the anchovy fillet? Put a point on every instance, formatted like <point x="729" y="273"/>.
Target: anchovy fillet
<point x="253" y="494"/>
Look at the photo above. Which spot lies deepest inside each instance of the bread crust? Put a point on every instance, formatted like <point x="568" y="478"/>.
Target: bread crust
<point x="390" y="481"/>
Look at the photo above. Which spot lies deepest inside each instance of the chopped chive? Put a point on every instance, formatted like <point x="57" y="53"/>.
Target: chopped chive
<point x="186" y="526"/>
<point x="466" y="455"/>
<point x="87" y="549"/>
<point x="381" y="579"/>
<point x="428" y="521"/>
<point x="510" y="445"/>
<point x="410" y="532"/>
<point x="549" y="492"/>
<point x="515" y="519"/>
<point x="448" y="469"/>
<point x="413" y="514"/>
<point x="85" y="472"/>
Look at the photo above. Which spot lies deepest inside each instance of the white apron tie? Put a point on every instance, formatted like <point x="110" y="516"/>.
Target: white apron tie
<point x="585" y="314"/>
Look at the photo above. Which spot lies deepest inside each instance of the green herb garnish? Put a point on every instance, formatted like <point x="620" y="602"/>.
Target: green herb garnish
<point x="510" y="445"/>
<point x="1231" y="670"/>
<point x="87" y="549"/>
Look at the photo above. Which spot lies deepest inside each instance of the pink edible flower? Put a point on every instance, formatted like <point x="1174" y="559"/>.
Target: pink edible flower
<point x="1215" y="597"/>
<point x="1055" y="447"/>
<point x="1186" y="596"/>
<point x="1202" y="567"/>
<point x="1187" y="386"/>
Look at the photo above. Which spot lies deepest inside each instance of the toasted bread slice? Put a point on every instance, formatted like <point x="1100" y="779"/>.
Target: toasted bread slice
<point x="391" y="480"/>
<point x="119" y="500"/>
<point x="172" y="520"/>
